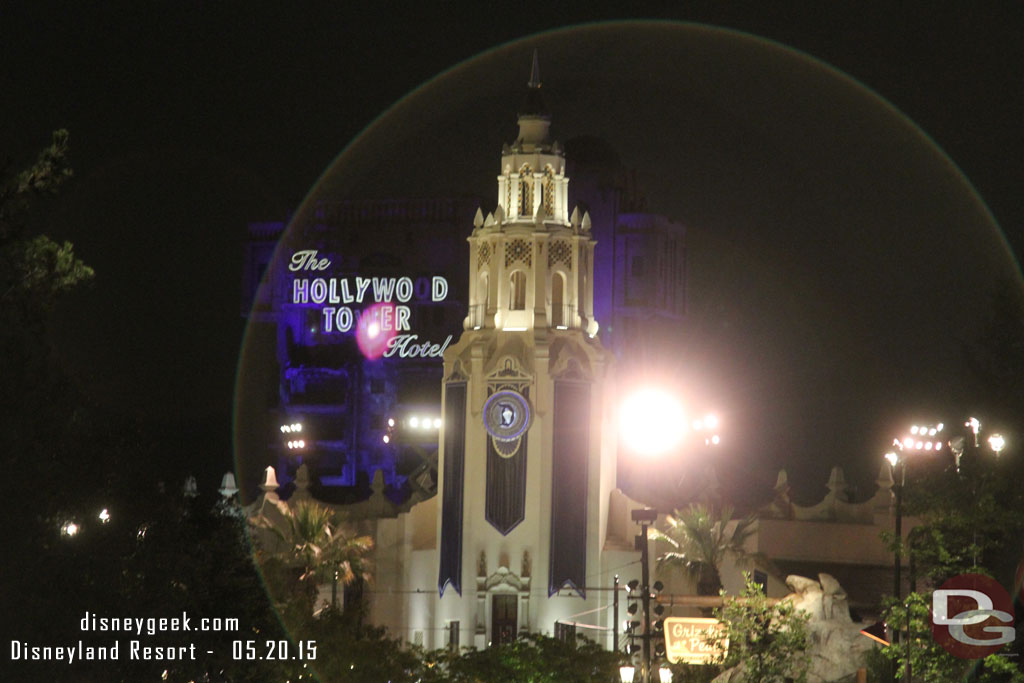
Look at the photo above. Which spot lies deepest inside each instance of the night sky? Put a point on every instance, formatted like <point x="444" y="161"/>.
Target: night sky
<point x="837" y="258"/>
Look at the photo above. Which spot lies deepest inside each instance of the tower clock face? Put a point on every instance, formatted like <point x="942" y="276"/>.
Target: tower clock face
<point x="507" y="415"/>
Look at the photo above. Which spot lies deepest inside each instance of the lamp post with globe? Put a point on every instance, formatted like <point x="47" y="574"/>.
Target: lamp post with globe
<point x="651" y="423"/>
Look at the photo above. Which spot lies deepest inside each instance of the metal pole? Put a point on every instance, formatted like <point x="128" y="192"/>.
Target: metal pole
<point x="907" y="663"/>
<point x="897" y="582"/>
<point x="615" y="616"/>
<point x="897" y="588"/>
<point x="645" y="580"/>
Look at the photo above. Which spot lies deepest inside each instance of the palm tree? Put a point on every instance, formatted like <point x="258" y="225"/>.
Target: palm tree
<point x="701" y="540"/>
<point x="322" y="548"/>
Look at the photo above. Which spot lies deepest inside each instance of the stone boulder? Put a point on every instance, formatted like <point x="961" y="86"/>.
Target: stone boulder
<point x="837" y="647"/>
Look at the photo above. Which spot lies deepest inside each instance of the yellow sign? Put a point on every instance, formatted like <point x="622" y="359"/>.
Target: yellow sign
<point x="686" y="640"/>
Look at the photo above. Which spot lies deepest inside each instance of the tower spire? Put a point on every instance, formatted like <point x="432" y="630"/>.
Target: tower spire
<point x="534" y="118"/>
<point x="535" y="72"/>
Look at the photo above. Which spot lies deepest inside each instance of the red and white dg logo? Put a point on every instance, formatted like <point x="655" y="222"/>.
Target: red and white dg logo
<point x="972" y="616"/>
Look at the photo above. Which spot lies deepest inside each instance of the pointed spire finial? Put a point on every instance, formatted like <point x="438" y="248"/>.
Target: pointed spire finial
<point x="535" y="71"/>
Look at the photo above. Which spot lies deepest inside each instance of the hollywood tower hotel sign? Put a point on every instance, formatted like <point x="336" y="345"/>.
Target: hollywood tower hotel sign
<point x="518" y="536"/>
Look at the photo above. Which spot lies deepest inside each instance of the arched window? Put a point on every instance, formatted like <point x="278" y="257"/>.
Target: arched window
<point x="549" y="192"/>
<point x="525" y="191"/>
<point x="559" y="316"/>
<point x="483" y="295"/>
<point x="517" y="293"/>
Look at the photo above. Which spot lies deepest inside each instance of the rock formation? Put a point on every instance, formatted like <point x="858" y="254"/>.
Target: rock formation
<point x="836" y="647"/>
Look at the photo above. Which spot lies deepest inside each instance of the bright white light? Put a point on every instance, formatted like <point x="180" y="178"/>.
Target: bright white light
<point x="70" y="529"/>
<point x="651" y="421"/>
<point x="285" y="429"/>
<point x="908" y="442"/>
<point x="302" y="444"/>
<point x="716" y="439"/>
<point x="437" y="423"/>
<point x="933" y="431"/>
<point x="711" y="421"/>
<point x="104" y="516"/>
<point x="918" y="445"/>
<point x="928" y="445"/>
<point x="940" y="426"/>
<point x="414" y="422"/>
<point x="626" y="673"/>
<point x="997" y="442"/>
<point x="372" y="330"/>
<point x="665" y="675"/>
<point x="391" y="422"/>
<point x="387" y="439"/>
<point x="697" y="425"/>
<point x="561" y="327"/>
<point x="297" y="427"/>
<point x="913" y="430"/>
<point x="974" y="424"/>
<point x="892" y="458"/>
<point x="938" y="445"/>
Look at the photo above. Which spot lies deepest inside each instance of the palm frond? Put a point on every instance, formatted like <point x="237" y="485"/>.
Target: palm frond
<point x="701" y="539"/>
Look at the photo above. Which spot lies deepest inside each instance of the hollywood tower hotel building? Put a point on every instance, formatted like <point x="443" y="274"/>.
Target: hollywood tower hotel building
<point x="527" y="529"/>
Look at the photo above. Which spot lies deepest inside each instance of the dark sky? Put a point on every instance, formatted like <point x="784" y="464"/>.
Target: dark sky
<point x="189" y="119"/>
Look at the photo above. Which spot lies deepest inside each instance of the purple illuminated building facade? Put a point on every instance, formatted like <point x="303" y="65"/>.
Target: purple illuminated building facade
<point x="323" y="381"/>
<point x="342" y="399"/>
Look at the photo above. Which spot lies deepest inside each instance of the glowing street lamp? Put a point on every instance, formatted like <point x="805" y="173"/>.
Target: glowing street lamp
<point x="652" y="421"/>
<point x="70" y="529"/>
<point x="975" y="425"/>
<point x="996" y="442"/>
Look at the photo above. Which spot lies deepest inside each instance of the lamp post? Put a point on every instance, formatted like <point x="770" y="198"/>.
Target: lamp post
<point x="921" y="438"/>
<point x="645" y="517"/>
<point x="924" y="438"/>
<point x="652" y="423"/>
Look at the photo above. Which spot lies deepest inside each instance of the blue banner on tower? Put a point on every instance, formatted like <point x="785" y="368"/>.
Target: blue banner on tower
<point x="506" y="484"/>
<point x="452" y="492"/>
<point x="570" y="450"/>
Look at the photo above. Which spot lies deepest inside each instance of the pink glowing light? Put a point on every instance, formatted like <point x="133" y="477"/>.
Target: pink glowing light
<point x="376" y="329"/>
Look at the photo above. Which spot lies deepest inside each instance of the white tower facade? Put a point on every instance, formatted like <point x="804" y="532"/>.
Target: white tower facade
<point x="527" y="456"/>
